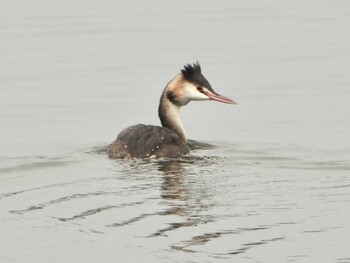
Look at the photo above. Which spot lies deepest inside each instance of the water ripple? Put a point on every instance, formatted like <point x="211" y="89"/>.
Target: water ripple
<point x="60" y="200"/>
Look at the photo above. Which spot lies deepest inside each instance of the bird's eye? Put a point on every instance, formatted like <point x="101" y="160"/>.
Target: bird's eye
<point x="200" y="89"/>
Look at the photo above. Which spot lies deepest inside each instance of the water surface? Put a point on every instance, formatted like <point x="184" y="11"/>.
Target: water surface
<point x="273" y="186"/>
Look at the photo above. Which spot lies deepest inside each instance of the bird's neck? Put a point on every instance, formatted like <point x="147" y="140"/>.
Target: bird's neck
<point x="170" y="117"/>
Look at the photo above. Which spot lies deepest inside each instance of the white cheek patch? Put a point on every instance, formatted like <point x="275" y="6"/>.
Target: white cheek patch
<point x="205" y="90"/>
<point x="192" y="93"/>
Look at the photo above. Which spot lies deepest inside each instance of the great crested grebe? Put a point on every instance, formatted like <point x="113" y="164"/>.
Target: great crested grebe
<point x="148" y="141"/>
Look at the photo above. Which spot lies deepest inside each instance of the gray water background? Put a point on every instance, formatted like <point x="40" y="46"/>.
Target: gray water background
<point x="276" y="186"/>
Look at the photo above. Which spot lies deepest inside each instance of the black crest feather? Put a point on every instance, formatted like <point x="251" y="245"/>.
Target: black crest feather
<point x="193" y="73"/>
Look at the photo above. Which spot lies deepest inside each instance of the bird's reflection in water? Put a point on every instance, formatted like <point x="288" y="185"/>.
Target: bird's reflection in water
<point x="173" y="180"/>
<point x="184" y="195"/>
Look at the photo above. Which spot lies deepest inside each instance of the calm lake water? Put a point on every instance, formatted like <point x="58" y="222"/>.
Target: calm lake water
<point x="274" y="184"/>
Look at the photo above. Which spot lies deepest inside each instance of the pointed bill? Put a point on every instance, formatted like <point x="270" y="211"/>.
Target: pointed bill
<point x="220" y="98"/>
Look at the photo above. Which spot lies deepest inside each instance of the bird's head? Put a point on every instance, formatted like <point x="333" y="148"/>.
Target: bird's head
<point x="189" y="85"/>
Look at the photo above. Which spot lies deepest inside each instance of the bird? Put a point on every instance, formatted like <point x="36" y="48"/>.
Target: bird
<point x="169" y="141"/>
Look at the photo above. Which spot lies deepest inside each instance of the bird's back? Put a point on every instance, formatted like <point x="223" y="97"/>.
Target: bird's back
<point x="147" y="141"/>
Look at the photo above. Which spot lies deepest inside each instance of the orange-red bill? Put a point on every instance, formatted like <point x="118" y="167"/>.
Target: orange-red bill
<point x="220" y="98"/>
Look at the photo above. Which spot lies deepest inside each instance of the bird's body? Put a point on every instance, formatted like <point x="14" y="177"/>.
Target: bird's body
<point x="148" y="141"/>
